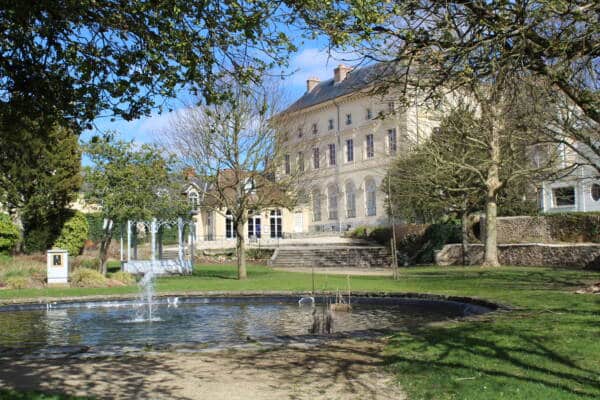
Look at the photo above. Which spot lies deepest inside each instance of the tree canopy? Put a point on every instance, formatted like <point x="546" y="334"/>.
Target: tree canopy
<point x="75" y="60"/>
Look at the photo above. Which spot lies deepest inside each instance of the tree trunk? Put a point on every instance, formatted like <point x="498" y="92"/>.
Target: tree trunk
<point x="464" y="219"/>
<point x="104" y="246"/>
<point x="493" y="184"/>
<point x="17" y="220"/>
<point x="241" y="250"/>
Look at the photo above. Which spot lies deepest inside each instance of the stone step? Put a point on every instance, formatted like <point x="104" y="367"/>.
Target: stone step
<point x="332" y="256"/>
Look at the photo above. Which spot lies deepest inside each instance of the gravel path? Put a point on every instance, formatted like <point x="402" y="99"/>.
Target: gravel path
<point x="336" y="370"/>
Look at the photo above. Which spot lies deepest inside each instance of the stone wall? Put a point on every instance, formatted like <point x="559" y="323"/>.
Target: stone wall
<point x="551" y="228"/>
<point x="523" y="230"/>
<point x="572" y="255"/>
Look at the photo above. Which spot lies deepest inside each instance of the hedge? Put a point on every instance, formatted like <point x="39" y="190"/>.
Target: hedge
<point x="9" y="234"/>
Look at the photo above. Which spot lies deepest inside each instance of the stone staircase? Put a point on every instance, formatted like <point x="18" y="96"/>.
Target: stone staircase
<point x="332" y="256"/>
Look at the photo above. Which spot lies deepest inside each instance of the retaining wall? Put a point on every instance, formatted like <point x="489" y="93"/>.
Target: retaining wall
<point x="572" y="255"/>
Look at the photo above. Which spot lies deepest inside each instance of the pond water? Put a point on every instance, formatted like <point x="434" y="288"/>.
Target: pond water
<point x="207" y="320"/>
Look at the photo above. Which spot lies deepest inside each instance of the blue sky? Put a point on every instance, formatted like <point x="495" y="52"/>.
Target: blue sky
<point x="312" y="59"/>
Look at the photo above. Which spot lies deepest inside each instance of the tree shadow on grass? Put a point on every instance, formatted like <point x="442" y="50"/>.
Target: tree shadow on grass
<point x="505" y="352"/>
<point x="106" y="378"/>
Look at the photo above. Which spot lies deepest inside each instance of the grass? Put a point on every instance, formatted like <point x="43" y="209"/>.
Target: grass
<point x="548" y="348"/>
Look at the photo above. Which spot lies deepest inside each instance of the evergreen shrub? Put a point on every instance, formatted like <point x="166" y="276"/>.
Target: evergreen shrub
<point x="73" y="234"/>
<point x="9" y="234"/>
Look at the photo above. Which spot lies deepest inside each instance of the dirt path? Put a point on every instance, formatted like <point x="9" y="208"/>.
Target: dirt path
<point x="347" y="369"/>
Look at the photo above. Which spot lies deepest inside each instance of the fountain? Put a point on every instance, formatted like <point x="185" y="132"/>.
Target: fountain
<point x="145" y="309"/>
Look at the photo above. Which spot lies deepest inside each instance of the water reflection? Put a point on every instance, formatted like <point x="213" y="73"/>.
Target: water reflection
<point x="202" y="320"/>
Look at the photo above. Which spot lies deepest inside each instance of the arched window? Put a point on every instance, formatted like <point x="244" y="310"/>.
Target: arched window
<point x="371" y="197"/>
<point x="316" y="205"/>
<point x="332" y="201"/>
<point x="350" y="200"/>
<point x="230" y="232"/>
<point x="194" y="199"/>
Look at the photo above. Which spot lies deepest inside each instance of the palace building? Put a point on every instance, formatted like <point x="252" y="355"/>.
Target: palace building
<point x="341" y="137"/>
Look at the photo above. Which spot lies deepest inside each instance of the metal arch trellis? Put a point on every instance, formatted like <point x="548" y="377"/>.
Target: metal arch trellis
<point x="180" y="265"/>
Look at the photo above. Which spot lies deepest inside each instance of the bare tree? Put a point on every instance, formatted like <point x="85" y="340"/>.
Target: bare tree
<point x="236" y="150"/>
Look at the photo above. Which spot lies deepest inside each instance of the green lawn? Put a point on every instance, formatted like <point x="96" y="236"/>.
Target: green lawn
<point x="548" y="348"/>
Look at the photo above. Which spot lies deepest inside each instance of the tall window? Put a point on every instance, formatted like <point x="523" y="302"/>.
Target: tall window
<point x="330" y="124"/>
<point x="371" y="197"/>
<point x="315" y="129"/>
<point x="300" y="132"/>
<point x="391" y="107"/>
<point x="332" y="201"/>
<point x="193" y="198"/>
<point x="300" y="161"/>
<point x="348" y="119"/>
<point x="370" y="146"/>
<point x="275" y="222"/>
<point x="230" y="232"/>
<point x="254" y="228"/>
<point x="316" y="158"/>
<point x="350" y="200"/>
<point x="392" y="141"/>
<point x="288" y="167"/>
<point x="332" y="154"/>
<point x="349" y="150"/>
<point x="369" y="114"/>
<point x="316" y="197"/>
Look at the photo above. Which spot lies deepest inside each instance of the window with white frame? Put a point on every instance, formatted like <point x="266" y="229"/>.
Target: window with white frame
<point x="595" y="192"/>
<point x="332" y="201"/>
<point x="316" y="198"/>
<point x="275" y="222"/>
<point x="350" y="200"/>
<point x="349" y="150"/>
<point x="564" y="196"/>
<point x="371" y="197"/>
<point x="392" y="141"/>
<point x="391" y="107"/>
<point x="194" y="199"/>
<point x="230" y="231"/>
<point x="332" y="155"/>
<point x="316" y="158"/>
<point x="370" y="146"/>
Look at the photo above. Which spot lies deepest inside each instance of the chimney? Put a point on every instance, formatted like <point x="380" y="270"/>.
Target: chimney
<point x="311" y="83"/>
<point x="340" y="73"/>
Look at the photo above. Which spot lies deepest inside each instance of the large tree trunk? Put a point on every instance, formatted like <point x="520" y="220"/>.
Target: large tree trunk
<point x="104" y="246"/>
<point x="464" y="219"/>
<point x="493" y="184"/>
<point x="241" y="250"/>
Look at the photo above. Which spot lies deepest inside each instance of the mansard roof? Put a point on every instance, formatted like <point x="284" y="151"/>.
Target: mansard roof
<point x="356" y="80"/>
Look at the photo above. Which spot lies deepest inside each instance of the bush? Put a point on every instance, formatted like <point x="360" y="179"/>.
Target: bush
<point x="37" y="240"/>
<point x="124" y="277"/>
<point x="18" y="282"/>
<point x="73" y="234"/>
<point x="359" y="232"/>
<point x="86" y="277"/>
<point x="381" y="235"/>
<point x="9" y="234"/>
<point x="259" y="254"/>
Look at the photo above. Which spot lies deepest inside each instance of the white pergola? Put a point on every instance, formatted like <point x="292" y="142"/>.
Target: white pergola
<point x="182" y="263"/>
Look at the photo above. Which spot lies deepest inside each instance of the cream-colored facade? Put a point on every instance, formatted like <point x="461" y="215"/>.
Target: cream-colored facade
<point x="345" y="145"/>
<point x="342" y="138"/>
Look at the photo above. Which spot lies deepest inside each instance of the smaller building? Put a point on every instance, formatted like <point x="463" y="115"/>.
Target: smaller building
<point x="577" y="192"/>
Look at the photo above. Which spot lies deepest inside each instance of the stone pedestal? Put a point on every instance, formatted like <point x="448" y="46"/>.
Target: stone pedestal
<point x="58" y="267"/>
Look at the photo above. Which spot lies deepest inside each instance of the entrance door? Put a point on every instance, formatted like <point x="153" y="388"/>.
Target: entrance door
<point x="298" y="222"/>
